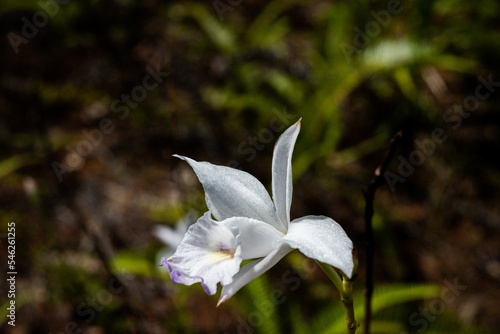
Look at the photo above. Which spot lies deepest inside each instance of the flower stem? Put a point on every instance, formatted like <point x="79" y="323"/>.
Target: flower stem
<point x="332" y="275"/>
<point x="345" y="286"/>
<point x="349" y="307"/>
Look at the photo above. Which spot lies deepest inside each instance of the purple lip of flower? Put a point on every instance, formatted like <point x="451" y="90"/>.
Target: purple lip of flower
<point x="178" y="278"/>
<point x="164" y="263"/>
<point x="175" y="275"/>
<point x="205" y="287"/>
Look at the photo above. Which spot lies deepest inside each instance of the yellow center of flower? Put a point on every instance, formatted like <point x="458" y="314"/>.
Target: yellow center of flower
<point x="221" y="253"/>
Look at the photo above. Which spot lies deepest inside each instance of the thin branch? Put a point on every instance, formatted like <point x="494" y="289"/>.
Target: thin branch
<point x="369" y="193"/>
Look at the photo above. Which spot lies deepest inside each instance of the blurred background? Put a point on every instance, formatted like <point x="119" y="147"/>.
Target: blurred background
<point x="96" y="96"/>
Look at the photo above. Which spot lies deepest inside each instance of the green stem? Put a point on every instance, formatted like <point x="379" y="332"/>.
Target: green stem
<point x="332" y="275"/>
<point x="349" y="307"/>
<point x="345" y="287"/>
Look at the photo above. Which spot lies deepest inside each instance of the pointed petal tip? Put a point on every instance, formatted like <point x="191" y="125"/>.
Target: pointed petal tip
<point x="221" y="301"/>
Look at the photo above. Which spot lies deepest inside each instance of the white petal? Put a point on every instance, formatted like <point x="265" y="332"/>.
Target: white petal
<point x="169" y="236"/>
<point x="321" y="238"/>
<point x="251" y="271"/>
<point x="230" y="193"/>
<point x="257" y="238"/>
<point x="282" y="172"/>
<point x="209" y="253"/>
<point x="173" y="237"/>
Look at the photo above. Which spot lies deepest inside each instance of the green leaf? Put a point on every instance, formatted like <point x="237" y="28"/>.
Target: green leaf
<point x="267" y="27"/>
<point x="298" y="324"/>
<point x="131" y="262"/>
<point x="263" y="306"/>
<point x="12" y="164"/>
<point x="220" y="35"/>
<point x="390" y="54"/>
<point x="332" y="320"/>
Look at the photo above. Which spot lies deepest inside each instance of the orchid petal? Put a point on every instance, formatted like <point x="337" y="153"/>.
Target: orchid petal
<point x="323" y="239"/>
<point x="257" y="238"/>
<point x="177" y="273"/>
<point x="251" y="271"/>
<point x="282" y="172"/>
<point x="230" y="193"/>
<point x="169" y="236"/>
<point x="209" y="253"/>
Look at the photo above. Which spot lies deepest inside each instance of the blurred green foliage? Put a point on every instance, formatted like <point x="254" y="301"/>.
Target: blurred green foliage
<point x="236" y="80"/>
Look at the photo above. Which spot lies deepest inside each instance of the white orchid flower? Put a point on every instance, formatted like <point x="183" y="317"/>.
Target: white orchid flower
<point x="250" y="225"/>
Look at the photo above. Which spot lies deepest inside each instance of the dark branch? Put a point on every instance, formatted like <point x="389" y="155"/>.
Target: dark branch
<point x="369" y="193"/>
